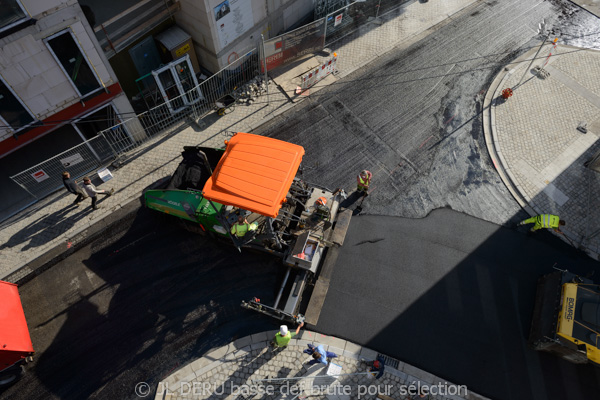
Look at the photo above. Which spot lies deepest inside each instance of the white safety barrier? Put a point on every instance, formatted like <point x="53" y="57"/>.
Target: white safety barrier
<point x="314" y="76"/>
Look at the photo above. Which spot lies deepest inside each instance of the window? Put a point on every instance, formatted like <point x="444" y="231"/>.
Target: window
<point x="11" y="13"/>
<point x="13" y="113"/>
<point x="73" y="62"/>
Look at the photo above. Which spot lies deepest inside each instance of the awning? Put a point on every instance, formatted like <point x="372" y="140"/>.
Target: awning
<point x="255" y="173"/>
<point x="14" y="334"/>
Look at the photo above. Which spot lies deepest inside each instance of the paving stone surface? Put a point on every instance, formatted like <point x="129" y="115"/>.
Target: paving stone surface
<point x="536" y="137"/>
<point x="267" y="373"/>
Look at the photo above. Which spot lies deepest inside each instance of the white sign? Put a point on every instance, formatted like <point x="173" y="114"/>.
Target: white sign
<point x="233" y="18"/>
<point x="71" y="160"/>
<point x="338" y="19"/>
<point x="40" y="176"/>
<point x="105" y="174"/>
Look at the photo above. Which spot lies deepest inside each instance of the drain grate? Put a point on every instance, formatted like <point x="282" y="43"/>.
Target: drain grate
<point x="389" y="361"/>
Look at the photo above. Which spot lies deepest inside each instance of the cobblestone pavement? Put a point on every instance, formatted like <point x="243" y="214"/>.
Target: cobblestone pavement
<point x="535" y="143"/>
<point x="35" y="232"/>
<point x="250" y="362"/>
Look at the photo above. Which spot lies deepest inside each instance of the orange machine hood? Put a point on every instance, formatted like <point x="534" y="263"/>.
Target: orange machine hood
<point x="255" y="173"/>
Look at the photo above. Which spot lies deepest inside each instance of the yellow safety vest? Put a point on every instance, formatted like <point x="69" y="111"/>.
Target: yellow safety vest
<point x="364" y="182"/>
<point x="548" y="220"/>
<point x="239" y="230"/>
<point x="283" y="341"/>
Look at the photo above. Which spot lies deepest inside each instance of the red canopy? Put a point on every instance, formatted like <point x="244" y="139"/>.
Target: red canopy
<point x="14" y="335"/>
<point x="255" y="173"/>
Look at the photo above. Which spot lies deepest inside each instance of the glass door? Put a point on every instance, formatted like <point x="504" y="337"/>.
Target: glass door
<point x="176" y="82"/>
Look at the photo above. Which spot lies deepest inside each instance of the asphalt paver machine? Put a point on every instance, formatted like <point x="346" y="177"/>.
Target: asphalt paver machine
<point x="15" y="343"/>
<point x="566" y="318"/>
<point x="255" y="177"/>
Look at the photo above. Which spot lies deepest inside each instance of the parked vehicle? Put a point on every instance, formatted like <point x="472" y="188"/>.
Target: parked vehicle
<point x="566" y="318"/>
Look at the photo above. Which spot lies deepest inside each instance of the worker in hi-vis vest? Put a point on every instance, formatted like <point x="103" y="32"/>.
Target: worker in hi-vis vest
<point x="542" y="221"/>
<point x="363" y="180"/>
<point x="241" y="227"/>
<point x="283" y="337"/>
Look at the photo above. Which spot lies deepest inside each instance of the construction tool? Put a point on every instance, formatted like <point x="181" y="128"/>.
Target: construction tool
<point x="358" y="208"/>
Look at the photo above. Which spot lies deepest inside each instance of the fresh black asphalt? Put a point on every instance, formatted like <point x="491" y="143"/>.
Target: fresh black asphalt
<point x="454" y="295"/>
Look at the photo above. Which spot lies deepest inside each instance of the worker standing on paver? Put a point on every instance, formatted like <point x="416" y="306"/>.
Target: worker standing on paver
<point x="283" y="337"/>
<point x="547" y="221"/>
<point x="363" y="180"/>
<point x="241" y="227"/>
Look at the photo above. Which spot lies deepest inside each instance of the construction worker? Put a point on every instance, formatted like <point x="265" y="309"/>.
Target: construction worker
<point x="363" y="180"/>
<point x="240" y="228"/>
<point x="283" y="337"/>
<point x="547" y="221"/>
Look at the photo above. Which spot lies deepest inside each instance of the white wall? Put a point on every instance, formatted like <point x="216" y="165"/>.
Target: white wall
<point x="29" y="68"/>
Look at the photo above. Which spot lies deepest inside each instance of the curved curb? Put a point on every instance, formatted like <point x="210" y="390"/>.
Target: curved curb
<point x="258" y="345"/>
<point x="491" y="141"/>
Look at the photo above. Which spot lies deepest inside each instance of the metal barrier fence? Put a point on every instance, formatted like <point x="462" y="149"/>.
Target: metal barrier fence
<point x="46" y="177"/>
<point x="346" y="20"/>
<point x="193" y="104"/>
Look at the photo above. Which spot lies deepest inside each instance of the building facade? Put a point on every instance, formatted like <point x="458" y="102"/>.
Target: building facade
<point x="72" y="68"/>
<point x="56" y="89"/>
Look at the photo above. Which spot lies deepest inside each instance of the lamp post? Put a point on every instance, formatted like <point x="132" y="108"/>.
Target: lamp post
<point x="541" y="31"/>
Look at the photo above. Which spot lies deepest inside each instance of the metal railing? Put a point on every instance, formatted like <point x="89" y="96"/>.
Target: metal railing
<point x="193" y="104"/>
<point x="349" y="18"/>
<point x="46" y="177"/>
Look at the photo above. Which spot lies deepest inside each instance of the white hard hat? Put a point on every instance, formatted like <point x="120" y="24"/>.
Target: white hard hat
<point x="283" y="330"/>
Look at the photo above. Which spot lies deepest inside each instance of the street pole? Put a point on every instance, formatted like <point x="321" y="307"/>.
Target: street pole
<point x="532" y="60"/>
<point x="541" y="30"/>
<point x="266" y="78"/>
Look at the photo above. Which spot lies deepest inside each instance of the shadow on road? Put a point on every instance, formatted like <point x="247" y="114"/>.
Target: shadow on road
<point x="454" y="295"/>
<point x="145" y="300"/>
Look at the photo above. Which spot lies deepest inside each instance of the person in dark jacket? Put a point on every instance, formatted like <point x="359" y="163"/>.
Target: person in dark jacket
<point x="74" y="188"/>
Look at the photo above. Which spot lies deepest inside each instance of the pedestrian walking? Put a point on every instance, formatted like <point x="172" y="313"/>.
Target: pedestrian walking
<point x="74" y="188"/>
<point x="93" y="192"/>
<point x="363" y="180"/>
<point x="283" y="337"/>
<point x="547" y="221"/>
<point x="319" y="354"/>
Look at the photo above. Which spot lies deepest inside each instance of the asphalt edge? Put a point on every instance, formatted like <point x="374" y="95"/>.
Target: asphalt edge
<point x="491" y="139"/>
<point x="167" y="387"/>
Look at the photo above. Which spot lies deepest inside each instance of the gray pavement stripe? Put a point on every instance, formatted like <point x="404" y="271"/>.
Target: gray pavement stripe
<point x="573" y="84"/>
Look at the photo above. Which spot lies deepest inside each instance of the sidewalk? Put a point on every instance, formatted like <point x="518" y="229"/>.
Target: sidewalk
<point x="250" y="361"/>
<point x="37" y="234"/>
<point x="535" y="145"/>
